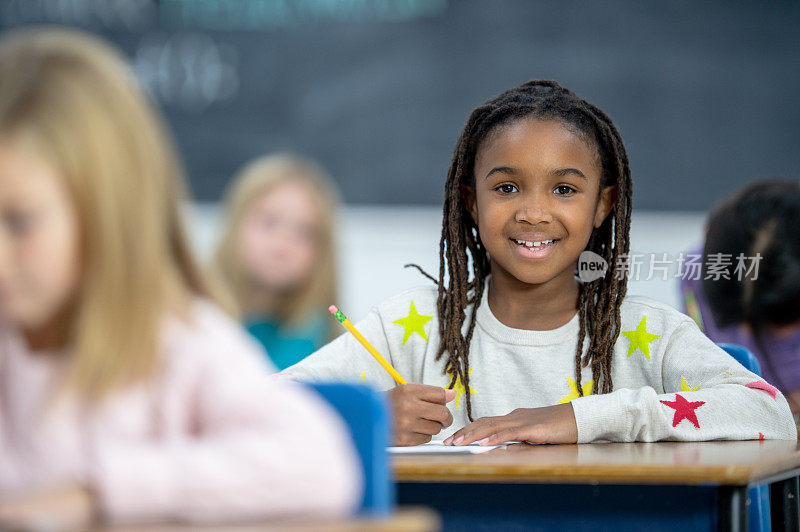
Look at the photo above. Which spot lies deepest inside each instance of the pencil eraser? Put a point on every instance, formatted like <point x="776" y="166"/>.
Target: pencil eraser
<point x="332" y="309"/>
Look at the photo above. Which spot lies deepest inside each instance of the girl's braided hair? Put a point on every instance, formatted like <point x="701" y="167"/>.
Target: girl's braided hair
<point x="460" y="247"/>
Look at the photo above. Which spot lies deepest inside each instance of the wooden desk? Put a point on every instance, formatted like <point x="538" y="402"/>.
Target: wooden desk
<point x="698" y="485"/>
<point x="403" y="520"/>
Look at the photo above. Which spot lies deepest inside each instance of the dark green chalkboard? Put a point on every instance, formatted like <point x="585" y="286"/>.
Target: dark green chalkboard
<point x="705" y="94"/>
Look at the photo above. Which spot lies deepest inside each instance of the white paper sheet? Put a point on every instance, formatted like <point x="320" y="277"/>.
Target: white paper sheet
<point x="437" y="447"/>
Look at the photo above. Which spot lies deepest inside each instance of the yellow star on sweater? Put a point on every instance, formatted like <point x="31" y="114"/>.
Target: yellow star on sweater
<point x="458" y="386"/>
<point x="413" y="323"/>
<point x="640" y="339"/>
<point x="361" y="378"/>
<point x="573" y="390"/>
<point x="685" y="386"/>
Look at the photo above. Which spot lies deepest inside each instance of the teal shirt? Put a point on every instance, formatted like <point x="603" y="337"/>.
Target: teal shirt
<point x="286" y="346"/>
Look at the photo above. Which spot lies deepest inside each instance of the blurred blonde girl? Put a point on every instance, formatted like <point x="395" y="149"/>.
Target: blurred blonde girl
<point x="125" y="393"/>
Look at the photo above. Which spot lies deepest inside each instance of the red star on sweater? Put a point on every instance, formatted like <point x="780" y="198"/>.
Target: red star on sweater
<point x="684" y="410"/>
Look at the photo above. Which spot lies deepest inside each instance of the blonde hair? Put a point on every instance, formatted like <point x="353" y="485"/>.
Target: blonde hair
<point x="256" y="179"/>
<point x="74" y="97"/>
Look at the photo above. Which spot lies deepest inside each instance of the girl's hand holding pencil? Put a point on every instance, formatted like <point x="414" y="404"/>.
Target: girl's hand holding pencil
<point x="419" y="411"/>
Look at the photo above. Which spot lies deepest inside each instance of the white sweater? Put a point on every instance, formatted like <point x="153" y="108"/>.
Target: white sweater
<point x="670" y="381"/>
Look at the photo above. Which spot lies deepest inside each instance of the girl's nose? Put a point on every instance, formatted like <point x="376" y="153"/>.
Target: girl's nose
<point x="533" y="211"/>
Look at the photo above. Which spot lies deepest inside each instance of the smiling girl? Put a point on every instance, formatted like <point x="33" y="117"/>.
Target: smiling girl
<point x="509" y="346"/>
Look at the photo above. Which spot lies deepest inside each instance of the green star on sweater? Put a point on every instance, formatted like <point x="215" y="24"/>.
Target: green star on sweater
<point x="413" y="323"/>
<point x="640" y="339"/>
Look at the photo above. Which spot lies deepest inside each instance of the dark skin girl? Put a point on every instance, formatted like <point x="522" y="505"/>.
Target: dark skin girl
<point x="535" y="181"/>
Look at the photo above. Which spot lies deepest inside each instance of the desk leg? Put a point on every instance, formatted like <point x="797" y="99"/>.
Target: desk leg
<point x="732" y="508"/>
<point x="783" y="505"/>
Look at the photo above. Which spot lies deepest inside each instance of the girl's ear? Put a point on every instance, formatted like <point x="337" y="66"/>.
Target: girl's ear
<point x="468" y="197"/>
<point x="608" y="198"/>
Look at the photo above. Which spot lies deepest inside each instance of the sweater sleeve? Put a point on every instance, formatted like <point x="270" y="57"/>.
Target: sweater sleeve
<point x="345" y="359"/>
<point x="705" y="394"/>
<point x="260" y="448"/>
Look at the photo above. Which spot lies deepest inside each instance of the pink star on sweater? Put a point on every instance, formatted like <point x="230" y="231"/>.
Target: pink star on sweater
<point x="765" y="387"/>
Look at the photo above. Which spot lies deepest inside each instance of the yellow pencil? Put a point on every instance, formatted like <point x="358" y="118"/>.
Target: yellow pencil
<point x="372" y="351"/>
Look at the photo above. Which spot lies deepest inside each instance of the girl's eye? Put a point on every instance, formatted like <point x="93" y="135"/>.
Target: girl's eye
<point x="506" y="188"/>
<point x="267" y="221"/>
<point x="18" y="223"/>
<point x="564" y="190"/>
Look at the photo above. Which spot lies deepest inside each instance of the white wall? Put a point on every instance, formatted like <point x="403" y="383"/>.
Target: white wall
<point x="376" y="241"/>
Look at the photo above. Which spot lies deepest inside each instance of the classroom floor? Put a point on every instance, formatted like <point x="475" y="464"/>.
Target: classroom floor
<point x="376" y="241"/>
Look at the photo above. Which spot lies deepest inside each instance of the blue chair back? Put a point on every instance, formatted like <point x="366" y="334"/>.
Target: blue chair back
<point x="759" y="496"/>
<point x="367" y="416"/>
<point x="743" y="356"/>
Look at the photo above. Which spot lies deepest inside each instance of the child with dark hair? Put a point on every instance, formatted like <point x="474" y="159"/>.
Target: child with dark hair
<point x="509" y="345"/>
<point x="760" y="310"/>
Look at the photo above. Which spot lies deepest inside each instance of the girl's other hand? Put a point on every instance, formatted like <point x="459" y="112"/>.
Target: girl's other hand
<point x="419" y="412"/>
<point x="65" y="508"/>
<point x="549" y="424"/>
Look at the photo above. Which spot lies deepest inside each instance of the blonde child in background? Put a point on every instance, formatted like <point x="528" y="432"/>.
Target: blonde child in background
<point x="125" y="393"/>
<point x="276" y="255"/>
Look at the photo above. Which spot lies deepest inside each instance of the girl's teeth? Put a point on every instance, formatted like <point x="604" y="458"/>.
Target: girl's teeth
<point x="534" y="244"/>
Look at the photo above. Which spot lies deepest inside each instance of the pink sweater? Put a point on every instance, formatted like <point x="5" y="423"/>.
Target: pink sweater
<point x="212" y="438"/>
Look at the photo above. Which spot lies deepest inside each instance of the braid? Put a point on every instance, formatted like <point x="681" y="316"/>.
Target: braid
<point x="461" y="252"/>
